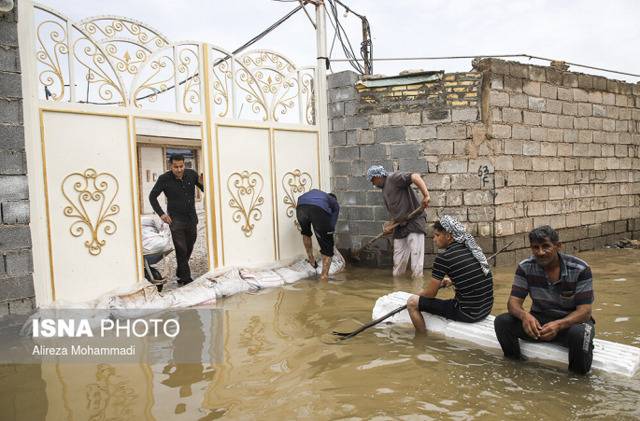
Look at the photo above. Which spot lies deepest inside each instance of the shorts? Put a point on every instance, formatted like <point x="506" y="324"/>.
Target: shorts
<point x="310" y="215"/>
<point x="445" y="308"/>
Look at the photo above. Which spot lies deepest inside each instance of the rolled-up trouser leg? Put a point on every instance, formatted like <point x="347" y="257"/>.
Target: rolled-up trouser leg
<point x="401" y="254"/>
<point x="416" y="248"/>
<point x="579" y="339"/>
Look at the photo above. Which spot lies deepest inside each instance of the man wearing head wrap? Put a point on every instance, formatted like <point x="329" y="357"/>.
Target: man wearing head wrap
<point x="400" y="200"/>
<point x="466" y="266"/>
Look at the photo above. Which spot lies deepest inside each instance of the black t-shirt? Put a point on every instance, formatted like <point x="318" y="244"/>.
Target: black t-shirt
<point x="180" y="195"/>
<point x="474" y="289"/>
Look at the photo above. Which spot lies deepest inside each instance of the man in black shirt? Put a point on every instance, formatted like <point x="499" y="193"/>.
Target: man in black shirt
<point x="179" y="186"/>
<point x="467" y="268"/>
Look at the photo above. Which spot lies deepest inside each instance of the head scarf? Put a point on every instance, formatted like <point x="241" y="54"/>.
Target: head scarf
<point x="376" y="171"/>
<point x="456" y="229"/>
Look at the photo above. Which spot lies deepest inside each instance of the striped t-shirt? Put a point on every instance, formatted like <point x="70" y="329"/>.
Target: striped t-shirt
<point x="554" y="300"/>
<point x="474" y="289"/>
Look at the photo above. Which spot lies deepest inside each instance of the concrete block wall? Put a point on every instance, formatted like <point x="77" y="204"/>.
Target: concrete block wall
<point x="433" y="128"/>
<point x="569" y="146"/>
<point x="504" y="148"/>
<point x="16" y="267"/>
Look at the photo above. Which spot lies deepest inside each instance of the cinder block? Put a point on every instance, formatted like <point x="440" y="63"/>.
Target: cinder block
<point x="498" y="99"/>
<point x="532" y="118"/>
<point x="511" y="115"/>
<point x="452" y="166"/>
<point x="12" y="162"/>
<point x="23" y="306"/>
<point x="15" y="212"/>
<point x="342" y="79"/>
<point x="405" y="119"/>
<point x="548" y="91"/>
<point x="364" y="137"/>
<point x="18" y="262"/>
<point x="421" y="133"/>
<point x="405" y="150"/>
<point x="464" y="114"/>
<point x="9" y="59"/>
<point x="14" y="288"/>
<point x="10" y="111"/>
<point x="10" y="85"/>
<point x="452" y="131"/>
<point x="13" y="187"/>
<point x="438" y="147"/>
<point x="531" y="88"/>
<point x="517" y="100"/>
<point x="389" y="134"/>
<point x="478" y="197"/>
<point x="537" y="104"/>
<point x="565" y="94"/>
<point x="500" y="131"/>
<point x="521" y="132"/>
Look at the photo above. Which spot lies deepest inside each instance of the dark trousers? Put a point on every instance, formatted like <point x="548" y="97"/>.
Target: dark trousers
<point x="184" y="234"/>
<point x="578" y="338"/>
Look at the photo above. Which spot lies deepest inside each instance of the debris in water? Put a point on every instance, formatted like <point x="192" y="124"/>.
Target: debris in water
<point x="621" y="319"/>
<point x="625" y="243"/>
<point x="619" y="279"/>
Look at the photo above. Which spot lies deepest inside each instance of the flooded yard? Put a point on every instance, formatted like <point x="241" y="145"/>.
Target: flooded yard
<point x="275" y="364"/>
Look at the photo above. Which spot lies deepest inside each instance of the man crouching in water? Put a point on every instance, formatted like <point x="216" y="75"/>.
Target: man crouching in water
<point x="466" y="266"/>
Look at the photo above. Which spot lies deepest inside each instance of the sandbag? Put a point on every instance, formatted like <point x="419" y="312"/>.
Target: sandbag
<point x="156" y="235"/>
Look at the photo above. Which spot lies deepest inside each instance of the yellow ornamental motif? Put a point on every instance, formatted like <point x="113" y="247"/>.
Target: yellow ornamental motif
<point x="90" y="197"/>
<point x="245" y="189"/>
<point x="295" y="183"/>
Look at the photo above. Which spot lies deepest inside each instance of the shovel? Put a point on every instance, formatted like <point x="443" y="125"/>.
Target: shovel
<point x="355" y="255"/>
<point x="348" y="335"/>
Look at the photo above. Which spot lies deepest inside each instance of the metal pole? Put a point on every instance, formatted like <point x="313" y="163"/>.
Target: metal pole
<point x="321" y="95"/>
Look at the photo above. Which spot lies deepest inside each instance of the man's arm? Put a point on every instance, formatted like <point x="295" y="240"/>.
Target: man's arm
<point x="419" y="182"/>
<point x="199" y="181"/>
<point x="432" y="289"/>
<point x="581" y="314"/>
<point x="530" y="324"/>
<point x="153" y="196"/>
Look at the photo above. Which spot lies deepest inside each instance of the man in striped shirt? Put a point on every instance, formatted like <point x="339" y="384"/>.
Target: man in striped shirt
<point x="468" y="270"/>
<point x="561" y="291"/>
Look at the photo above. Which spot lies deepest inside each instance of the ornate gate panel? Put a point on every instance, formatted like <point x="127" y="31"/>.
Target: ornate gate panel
<point x="88" y="82"/>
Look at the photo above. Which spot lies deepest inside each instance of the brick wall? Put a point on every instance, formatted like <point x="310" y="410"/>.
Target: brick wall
<point x="16" y="279"/>
<point x="569" y="145"/>
<point x="504" y="147"/>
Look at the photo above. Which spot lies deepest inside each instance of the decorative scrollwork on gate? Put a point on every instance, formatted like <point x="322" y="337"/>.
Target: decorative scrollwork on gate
<point x="270" y="83"/>
<point x="245" y="189"/>
<point x="117" y="61"/>
<point x="295" y="183"/>
<point x="52" y="45"/>
<point x="90" y="197"/>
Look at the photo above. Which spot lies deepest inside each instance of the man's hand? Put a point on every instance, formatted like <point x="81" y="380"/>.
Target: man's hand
<point x="550" y="330"/>
<point x="425" y="201"/>
<point x="201" y="178"/>
<point x="166" y="219"/>
<point x="531" y="325"/>
<point x="446" y="282"/>
<point x="388" y="227"/>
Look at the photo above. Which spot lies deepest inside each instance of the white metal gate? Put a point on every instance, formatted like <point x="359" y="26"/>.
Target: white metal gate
<point x="91" y="83"/>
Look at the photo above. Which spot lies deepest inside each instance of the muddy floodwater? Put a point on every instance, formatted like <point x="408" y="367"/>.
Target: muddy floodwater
<point x="276" y="365"/>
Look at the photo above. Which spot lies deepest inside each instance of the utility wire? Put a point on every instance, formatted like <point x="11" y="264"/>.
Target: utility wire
<point x="491" y="56"/>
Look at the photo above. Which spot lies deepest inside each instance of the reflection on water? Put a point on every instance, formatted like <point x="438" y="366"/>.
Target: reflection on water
<point x="276" y="366"/>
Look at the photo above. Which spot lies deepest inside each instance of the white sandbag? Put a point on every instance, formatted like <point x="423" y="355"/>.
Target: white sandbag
<point x="607" y="356"/>
<point x="156" y="235"/>
<point x="337" y="263"/>
<point x="261" y="279"/>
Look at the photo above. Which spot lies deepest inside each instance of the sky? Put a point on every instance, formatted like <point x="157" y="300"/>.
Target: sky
<point x="595" y="33"/>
